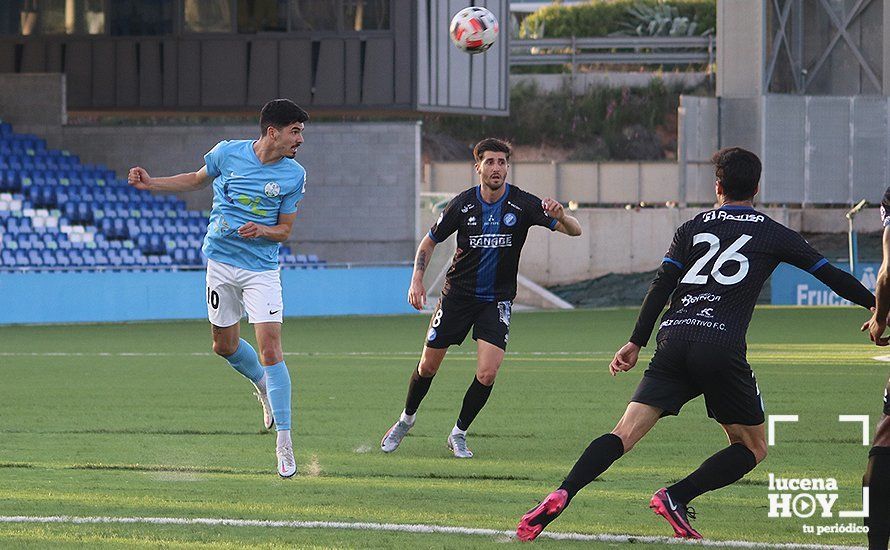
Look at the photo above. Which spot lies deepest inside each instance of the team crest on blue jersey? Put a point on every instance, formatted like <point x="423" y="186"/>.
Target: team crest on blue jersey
<point x="509" y="219"/>
<point x="272" y="189"/>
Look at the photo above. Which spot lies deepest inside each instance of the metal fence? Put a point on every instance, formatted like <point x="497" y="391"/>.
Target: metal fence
<point x="619" y="50"/>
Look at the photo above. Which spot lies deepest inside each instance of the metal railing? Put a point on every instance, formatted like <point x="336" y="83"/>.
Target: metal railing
<point x="617" y="50"/>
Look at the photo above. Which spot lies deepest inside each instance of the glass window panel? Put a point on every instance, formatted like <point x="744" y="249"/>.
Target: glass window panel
<point x="11" y="15"/>
<point x="262" y="16"/>
<point x="315" y="15"/>
<point x="69" y="16"/>
<point x="142" y="17"/>
<point x="29" y="17"/>
<point x="366" y="15"/>
<point x="208" y="16"/>
<point x="51" y="16"/>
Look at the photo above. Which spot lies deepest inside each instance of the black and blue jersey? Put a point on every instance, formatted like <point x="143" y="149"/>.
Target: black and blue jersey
<point x="715" y="268"/>
<point x="489" y="241"/>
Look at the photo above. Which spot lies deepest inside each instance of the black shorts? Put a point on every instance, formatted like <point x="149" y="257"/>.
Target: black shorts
<point x="680" y="371"/>
<point x="455" y="315"/>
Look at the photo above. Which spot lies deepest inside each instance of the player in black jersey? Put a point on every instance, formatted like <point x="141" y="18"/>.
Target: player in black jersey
<point x="715" y="268"/>
<point x="492" y="221"/>
<point x="877" y="474"/>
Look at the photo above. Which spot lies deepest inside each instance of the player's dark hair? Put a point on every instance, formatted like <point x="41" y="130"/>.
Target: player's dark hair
<point x="738" y="170"/>
<point x="280" y="113"/>
<point x="492" y="144"/>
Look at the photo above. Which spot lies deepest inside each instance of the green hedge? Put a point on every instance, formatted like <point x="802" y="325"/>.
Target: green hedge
<point x="605" y="17"/>
<point x="604" y="123"/>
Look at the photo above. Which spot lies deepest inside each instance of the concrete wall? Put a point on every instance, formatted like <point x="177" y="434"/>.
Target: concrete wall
<point x="583" y="182"/>
<point x="35" y="100"/>
<point x="741" y="47"/>
<point x="362" y="178"/>
<point x="618" y="240"/>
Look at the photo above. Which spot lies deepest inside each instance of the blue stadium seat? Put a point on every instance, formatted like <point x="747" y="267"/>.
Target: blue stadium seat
<point x="34" y="258"/>
<point x="49" y="259"/>
<point x="71" y="193"/>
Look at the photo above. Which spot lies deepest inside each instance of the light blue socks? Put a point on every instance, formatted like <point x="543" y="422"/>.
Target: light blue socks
<point x="278" y="390"/>
<point x="246" y="361"/>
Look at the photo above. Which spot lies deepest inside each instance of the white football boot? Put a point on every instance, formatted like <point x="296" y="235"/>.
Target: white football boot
<point x="394" y="436"/>
<point x="268" y="419"/>
<point x="287" y="466"/>
<point x="457" y="444"/>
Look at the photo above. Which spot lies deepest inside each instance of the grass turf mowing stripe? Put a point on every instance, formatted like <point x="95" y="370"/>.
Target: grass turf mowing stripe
<point x="407" y="528"/>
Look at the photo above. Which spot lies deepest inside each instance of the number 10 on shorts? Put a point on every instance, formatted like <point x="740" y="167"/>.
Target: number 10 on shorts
<point x="212" y="298"/>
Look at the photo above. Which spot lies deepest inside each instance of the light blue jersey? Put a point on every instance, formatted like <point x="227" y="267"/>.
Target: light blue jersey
<point x="246" y="190"/>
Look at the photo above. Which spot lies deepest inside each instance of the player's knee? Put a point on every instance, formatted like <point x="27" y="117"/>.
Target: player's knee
<point x="271" y="356"/>
<point x="224" y="348"/>
<point x="758" y="448"/>
<point x="427" y="369"/>
<point x="486" y="378"/>
<point x="627" y="439"/>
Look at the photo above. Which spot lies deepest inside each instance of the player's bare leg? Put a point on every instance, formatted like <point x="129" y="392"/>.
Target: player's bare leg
<point x="747" y="448"/>
<point x="225" y="339"/>
<point x="638" y="419"/>
<point x="278" y="388"/>
<point x="418" y="386"/>
<point x="877" y="479"/>
<point x="488" y="360"/>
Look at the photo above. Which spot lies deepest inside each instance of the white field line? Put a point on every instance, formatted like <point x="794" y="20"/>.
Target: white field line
<point x="406" y="528"/>
<point x="292" y="354"/>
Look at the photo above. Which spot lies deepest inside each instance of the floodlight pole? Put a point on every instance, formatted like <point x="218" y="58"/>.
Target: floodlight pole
<point x="852" y="238"/>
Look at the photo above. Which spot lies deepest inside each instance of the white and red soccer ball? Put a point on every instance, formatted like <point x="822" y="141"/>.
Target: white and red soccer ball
<point x="474" y="29"/>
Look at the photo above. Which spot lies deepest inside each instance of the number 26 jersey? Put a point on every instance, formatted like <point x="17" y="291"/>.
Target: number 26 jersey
<point x="726" y="255"/>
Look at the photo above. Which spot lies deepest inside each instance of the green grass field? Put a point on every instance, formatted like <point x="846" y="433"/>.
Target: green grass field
<point x="141" y="420"/>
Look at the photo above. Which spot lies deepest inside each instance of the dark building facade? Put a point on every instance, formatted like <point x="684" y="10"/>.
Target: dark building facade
<point x="355" y="55"/>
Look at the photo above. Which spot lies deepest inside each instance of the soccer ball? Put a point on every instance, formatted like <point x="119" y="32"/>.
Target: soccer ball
<point x="474" y="29"/>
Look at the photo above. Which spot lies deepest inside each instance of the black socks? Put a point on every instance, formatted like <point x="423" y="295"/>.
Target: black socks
<point x="595" y="460"/>
<point x="475" y="398"/>
<point x="877" y="479"/>
<point x="721" y="469"/>
<point x="417" y="388"/>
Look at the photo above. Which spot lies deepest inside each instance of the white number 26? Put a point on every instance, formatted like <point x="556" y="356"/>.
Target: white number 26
<point x="731" y="254"/>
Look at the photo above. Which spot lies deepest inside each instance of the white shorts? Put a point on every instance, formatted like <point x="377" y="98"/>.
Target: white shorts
<point x="232" y="290"/>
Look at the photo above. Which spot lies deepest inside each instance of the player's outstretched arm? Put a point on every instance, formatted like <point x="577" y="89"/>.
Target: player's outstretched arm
<point x="417" y="292"/>
<point x="845" y="285"/>
<point x="190" y="181"/>
<point x="653" y="304"/>
<point x="566" y="224"/>
<point x="878" y="322"/>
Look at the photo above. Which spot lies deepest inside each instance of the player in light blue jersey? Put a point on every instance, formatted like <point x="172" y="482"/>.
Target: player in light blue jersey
<point x="256" y="188"/>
